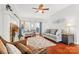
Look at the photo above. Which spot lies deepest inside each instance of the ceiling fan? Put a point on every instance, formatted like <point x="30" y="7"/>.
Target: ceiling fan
<point x="41" y="8"/>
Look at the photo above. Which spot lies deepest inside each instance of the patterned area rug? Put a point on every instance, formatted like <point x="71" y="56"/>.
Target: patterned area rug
<point x="39" y="42"/>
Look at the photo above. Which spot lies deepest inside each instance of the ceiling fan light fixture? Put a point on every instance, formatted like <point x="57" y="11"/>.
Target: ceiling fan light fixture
<point x="40" y="11"/>
<point x="41" y="8"/>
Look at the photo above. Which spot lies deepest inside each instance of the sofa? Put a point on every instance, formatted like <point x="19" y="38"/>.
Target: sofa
<point x="19" y="47"/>
<point x="53" y="34"/>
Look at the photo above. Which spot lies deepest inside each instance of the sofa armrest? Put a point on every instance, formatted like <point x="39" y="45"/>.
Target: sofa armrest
<point x="24" y="42"/>
<point x="23" y="48"/>
<point x="42" y="51"/>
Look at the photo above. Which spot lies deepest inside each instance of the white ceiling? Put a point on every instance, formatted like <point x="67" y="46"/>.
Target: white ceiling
<point x="26" y="12"/>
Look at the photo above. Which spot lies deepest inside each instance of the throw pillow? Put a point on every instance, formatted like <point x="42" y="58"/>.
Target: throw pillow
<point x="3" y="49"/>
<point x="12" y="49"/>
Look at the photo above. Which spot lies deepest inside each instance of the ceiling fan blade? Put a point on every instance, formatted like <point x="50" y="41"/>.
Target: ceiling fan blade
<point x="46" y="9"/>
<point x="34" y="8"/>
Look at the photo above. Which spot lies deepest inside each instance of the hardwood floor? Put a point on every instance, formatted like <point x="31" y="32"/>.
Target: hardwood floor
<point x="61" y="48"/>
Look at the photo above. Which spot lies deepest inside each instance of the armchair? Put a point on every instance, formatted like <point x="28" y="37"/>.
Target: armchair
<point x="24" y="48"/>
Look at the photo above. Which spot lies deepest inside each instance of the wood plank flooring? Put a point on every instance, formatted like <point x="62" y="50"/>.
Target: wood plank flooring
<point x="61" y="48"/>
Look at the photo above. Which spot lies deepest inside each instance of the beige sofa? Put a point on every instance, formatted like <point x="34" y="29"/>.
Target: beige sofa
<point x="54" y="35"/>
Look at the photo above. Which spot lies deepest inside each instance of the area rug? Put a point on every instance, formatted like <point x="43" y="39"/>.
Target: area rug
<point x="39" y="42"/>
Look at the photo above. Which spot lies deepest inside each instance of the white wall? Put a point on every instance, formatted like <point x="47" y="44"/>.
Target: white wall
<point x="51" y="25"/>
<point x="6" y="27"/>
<point x="1" y="21"/>
<point x="4" y="24"/>
<point x="77" y="30"/>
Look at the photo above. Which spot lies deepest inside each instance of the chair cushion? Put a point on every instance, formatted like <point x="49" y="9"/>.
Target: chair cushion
<point x="23" y="48"/>
<point x="3" y="49"/>
<point x="12" y="49"/>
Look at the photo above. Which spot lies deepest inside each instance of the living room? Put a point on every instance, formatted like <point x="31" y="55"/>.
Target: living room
<point x="52" y="30"/>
